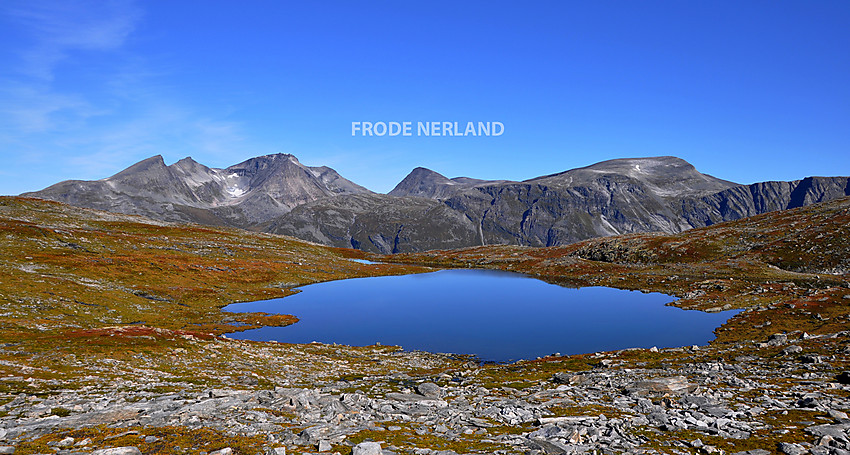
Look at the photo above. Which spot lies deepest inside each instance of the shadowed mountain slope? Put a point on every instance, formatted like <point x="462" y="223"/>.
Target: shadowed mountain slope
<point x="663" y="194"/>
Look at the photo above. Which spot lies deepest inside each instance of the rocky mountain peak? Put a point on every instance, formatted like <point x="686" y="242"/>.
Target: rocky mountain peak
<point x="251" y="192"/>
<point x="423" y="182"/>
<point x="152" y="164"/>
<point x="664" y="175"/>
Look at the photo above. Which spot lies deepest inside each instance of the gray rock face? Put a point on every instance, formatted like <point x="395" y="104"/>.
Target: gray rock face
<point x="427" y="211"/>
<point x="242" y="195"/>
<point x="662" y="194"/>
<point x="379" y="223"/>
<point x="422" y="182"/>
<point x="664" y="176"/>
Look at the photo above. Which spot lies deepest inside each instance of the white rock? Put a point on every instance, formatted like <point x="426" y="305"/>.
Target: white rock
<point x="118" y="451"/>
<point x="367" y="448"/>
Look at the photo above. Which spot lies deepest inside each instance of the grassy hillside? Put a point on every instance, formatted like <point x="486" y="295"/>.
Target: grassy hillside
<point x="96" y="305"/>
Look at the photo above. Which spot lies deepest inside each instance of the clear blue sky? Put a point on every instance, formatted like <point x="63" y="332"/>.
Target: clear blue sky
<point x="745" y="90"/>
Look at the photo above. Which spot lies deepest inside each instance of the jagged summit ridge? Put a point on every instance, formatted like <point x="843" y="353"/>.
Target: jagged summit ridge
<point x="243" y="195"/>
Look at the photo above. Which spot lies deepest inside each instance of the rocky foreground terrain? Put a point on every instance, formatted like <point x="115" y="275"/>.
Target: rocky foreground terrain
<point x="790" y="396"/>
<point x="113" y="342"/>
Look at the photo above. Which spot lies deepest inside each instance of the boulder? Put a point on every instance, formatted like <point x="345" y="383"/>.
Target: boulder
<point x="430" y="390"/>
<point x="673" y="386"/>
<point x="777" y="339"/>
<point x="367" y="448"/>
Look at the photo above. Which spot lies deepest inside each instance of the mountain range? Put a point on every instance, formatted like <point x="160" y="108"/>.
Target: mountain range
<point x="243" y="195"/>
<point x="426" y="210"/>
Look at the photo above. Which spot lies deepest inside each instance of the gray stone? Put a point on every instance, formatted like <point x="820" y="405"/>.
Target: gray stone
<point x="836" y="431"/>
<point x="777" y="339"/>
<point x="561" y="378"/>
<point x="367" y="448"/>
<point x="224" y="451"/>
<point x="276" y="451"/>
<point x="671" y="385"/>
<point x="792" y="350"/>
<point x="753" y="452"/>
<point x="323" y="446"/>
<point x="549" y="447"/>
<point x="430" y="390"/>
<point x="789" y="448"/>
<point x="837" y="415"/>
<point x="129" y="450"/>
<point x="7" y="450"/>
<point x="408" y="397"/>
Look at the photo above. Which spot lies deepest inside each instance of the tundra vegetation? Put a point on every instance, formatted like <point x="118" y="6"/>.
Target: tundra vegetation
<point x="111" y="335"/>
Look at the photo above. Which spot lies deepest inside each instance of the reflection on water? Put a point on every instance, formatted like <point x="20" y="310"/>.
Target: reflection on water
<point x="496" y="316"/>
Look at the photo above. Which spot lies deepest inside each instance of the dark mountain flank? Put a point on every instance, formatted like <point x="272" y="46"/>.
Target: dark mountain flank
<point x="663" y="194"/>
<point x="427" y="210"/>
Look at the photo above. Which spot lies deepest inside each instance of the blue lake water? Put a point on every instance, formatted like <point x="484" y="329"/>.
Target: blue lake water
<point x="496" y="316"/>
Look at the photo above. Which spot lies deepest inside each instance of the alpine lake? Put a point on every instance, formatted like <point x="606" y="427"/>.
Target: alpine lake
<point x="494" y="316"/>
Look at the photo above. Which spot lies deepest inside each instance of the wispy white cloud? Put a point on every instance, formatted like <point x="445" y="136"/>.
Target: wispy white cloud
<point x="60" y="118"/>
<point x="31" y="108"/>
<point x="58" y="28"/>
<point x="46" y="34"/>
<point x="156" y="127"/>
